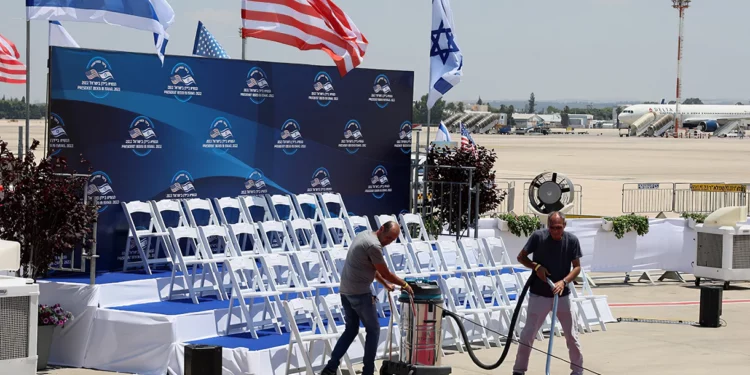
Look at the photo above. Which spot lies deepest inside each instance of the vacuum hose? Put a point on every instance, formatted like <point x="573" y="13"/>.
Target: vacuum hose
<point x="519" y="302"/>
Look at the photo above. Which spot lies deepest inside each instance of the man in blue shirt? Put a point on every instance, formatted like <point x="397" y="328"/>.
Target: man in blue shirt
<point x="554" y="252"/>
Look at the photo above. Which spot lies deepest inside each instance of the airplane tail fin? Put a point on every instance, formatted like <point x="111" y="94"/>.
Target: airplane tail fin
<point x="663" y="101"/>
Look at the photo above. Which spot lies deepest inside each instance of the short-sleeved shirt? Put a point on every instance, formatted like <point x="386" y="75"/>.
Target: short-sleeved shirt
<point x="555" y="256"/>
<point x="358" y="274"/>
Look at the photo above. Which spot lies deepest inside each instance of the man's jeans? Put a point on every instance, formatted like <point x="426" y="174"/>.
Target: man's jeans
<point x="538" y="309"/>
<point x="357" y="308"/>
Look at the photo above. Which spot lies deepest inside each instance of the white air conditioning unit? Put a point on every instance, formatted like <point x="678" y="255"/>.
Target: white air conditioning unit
<point x="19" y="308"/>
<point x="723" y="246"/>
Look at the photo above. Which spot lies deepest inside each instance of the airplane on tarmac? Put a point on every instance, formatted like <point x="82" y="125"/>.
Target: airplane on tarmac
<point x="707" y="118"/>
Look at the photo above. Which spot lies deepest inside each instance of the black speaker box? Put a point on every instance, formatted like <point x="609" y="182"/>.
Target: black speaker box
<point x="202" y="360"/>
<point x="710" y="309"/>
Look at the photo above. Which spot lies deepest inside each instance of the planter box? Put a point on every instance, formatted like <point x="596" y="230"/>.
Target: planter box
<point x="607" y="225"/>
<point x="43" y="344"/>
<point x="691" y="223"/>
<point x="502" y="225"/>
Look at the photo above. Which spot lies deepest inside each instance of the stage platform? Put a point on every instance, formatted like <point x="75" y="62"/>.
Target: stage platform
<point x="124" y="323"/>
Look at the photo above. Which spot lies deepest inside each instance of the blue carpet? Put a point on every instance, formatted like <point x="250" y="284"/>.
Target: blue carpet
<point x="267" y="339"/>
<point x="108" y="277"/>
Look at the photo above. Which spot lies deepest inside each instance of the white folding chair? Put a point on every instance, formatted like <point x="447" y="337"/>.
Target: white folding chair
<point x="336" y="234"/>
<point x="356" y="225"/>
<point x="460" y="299"/>
<point x="256" y="208"/>
<point x="333" y="311"/>
<point x="240" y="233"/>
<point x="580" y="299"/>
<point x="283" y="207"/>
<point x="303" y="236"/>
<point x="230" y="204"/>
<point x="143" y="238"/>
<point x="449" y="256"/>
<point x="282" y="274"/>
<point x="308" y="207"/>
<point x="409" y="221"/>
<point x="275" y="237"/>
<point x="335" y="199"/>
<point x="200" y="259"/>
<point x="315" y="271"/>
<point x="204" y="205"/>
<point x="304" y="340"/>
<point x="169" y="214"/>
<point x="425" y="260"/>
<point x="247" y="283"/>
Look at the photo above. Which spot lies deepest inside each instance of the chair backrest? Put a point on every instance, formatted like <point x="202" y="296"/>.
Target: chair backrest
<point x="357" y="224"/>
<point x="382" y="219"/>
<point x="424" y="258"/>
<point x="409" y="221"/>
<point x="496" y="252"/>
<point x="191" y="235"/>
<point x="283" y="207"/>
<point x="304" y="309"/>
<point x="460" y="293"/>
<point x="302" y="233"/>
<point x="230" y="211"/>
<point x="240" y="233"/>
<point x="449" y="255"/>
<point x="215" y="240"/>
<point x="336" y="234"/>
<point x="333" y="205"/>
<point x="308" y="207"/>
<point x="472" y="253"/>
<point x="256" y="208"/>
<point x="204" y="205"/>
<point x="244" y="275"/>
<point x="137" y="207"/>
<point x="169" y="208"/>
<point x="399" y="258"/>
<point x="275" y="236"/>
<point x="280" y="271"/>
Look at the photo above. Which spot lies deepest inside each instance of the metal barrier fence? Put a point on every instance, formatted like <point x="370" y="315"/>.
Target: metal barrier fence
<point x="508" y="188"/>
<point x="577" y="199"/>
<point x="647" y="197"/>
<point x="456" y="202"/>
<point x="708" y="197"/>
<point x="682" y="197"/>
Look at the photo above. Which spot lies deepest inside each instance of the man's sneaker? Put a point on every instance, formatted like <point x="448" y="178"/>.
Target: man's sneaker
<point x="517" y="373"/>
<point x="327" y="372"/>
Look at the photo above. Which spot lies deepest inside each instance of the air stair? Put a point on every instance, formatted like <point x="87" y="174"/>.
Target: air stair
<point x="662" y="123"/>
<point x="452" y="118"/>
<point x="488" y="123"/>
<point x="641" y="125"/>
<point x="727" y="128"/>
<point x="473" y="125"/>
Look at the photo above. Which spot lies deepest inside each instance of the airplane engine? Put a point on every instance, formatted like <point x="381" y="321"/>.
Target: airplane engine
<point x="709" y="126"/>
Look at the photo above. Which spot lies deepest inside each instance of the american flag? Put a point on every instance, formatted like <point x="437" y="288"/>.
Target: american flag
<point x="466" y="141"/>
<point x="12" y="70"/>
<point x="206" y="45"/>
<point x="307" y="25"/>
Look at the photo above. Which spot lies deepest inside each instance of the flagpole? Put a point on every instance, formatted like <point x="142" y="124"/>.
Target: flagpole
<point x="28" y="80"/>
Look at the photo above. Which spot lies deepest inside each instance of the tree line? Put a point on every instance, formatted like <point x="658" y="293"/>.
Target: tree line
<point x="15" y="108"/>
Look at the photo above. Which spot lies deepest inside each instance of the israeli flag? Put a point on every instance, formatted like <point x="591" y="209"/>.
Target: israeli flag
<point x="58" y="36"/>
<point x="442" y="134"/>
<point x="446" y="60"/>
<point x="155" y="16"/>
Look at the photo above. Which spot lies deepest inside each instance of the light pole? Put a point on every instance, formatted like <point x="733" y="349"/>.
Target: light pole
<point x="681" y="5"/>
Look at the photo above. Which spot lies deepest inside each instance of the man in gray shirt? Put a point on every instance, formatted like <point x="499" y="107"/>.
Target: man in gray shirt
<point x="364" y="264"/>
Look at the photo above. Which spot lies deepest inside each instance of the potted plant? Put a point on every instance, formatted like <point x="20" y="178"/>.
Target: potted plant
<point x="50" y="317"/>
<point x="691" y="218"/>
<point x="626" y="223"/>
<point x="42" y="208"/>
<point x="519" y="226"/>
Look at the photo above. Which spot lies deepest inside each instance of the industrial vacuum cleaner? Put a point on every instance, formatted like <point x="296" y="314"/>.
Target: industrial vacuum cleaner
<point x="421" y="331"/>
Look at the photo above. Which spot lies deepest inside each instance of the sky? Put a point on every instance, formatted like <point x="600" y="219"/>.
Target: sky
<point x="593" y="50"/>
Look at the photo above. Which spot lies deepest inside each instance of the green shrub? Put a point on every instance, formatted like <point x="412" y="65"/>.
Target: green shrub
<point x="628" y="223"/>
<point x="520" y="226"/>
<point x="698" y="217"/>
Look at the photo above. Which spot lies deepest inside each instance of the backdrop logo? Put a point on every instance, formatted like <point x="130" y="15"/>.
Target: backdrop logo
<point x="142" y="137"/>
<point x="100" y="190"/>
<point x="99" y="80"/>
<point x="404" y="138"/>
<point x="258" y="88"/>
<point x="182" y="83"/>
<point x="59" y="138"/>
<point x="290" y="137"/>
<point x="323" y="92"/>
<point x="353" y="140"/>
<point x="220" y="137"/>
<point x="255" y="184"/>
<point x="182" y="186"/>
<point x="379" y="184"/>
<point x="382" y="94"/>
<point x="321" y="181"/>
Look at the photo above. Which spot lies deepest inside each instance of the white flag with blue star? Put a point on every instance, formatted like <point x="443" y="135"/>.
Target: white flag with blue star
<point x="60" y="37"/>
<point x="206" y="45"/>
<point x="446" y="60"/>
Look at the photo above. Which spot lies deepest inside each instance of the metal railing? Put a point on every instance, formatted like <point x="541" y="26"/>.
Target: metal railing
<point x="508" y="189"/>
<point x="75" y="260"/>
<point x="577" y="199"/>
<point x="647" y="197"/>
<point x="456" y="202"/>
<point x="682" y="197"/>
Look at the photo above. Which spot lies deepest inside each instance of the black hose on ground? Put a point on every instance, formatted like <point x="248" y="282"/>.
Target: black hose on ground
<point x="519" y="302"/>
